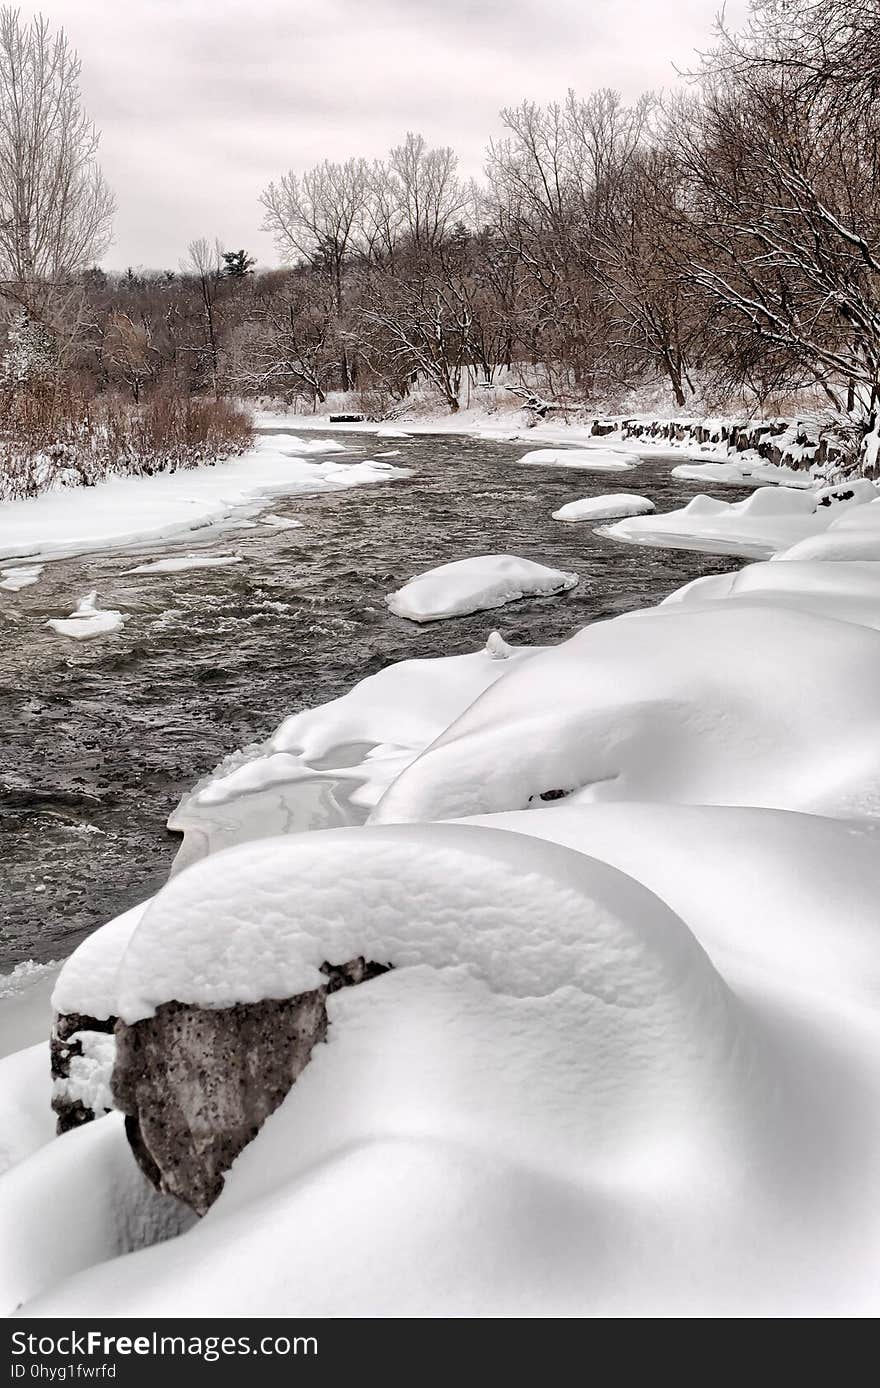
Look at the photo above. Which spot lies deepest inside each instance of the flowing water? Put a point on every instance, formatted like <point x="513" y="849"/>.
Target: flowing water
<point x="101" y="738"/>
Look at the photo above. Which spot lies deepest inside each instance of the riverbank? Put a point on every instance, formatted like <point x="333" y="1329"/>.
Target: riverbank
<point x="628" y="1047"/>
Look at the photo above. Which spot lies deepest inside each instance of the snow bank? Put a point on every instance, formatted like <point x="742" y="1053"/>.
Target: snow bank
<point x="701" y="704"/>
<point x="768" y="520"/>
<point x="13" y="580"/>
<point x="589" y="459"/>
<point x="849" y="592"/>
<point x="181" y="562"/>
<point x="604" y="507"/>
<point x="476" y="585"/>
<point x="328" y="766"/>
<point x="853" y="534"/>
<point x="26" y="1118"/>
<point x="87" y="620"/>
<point x="132" y="510"/>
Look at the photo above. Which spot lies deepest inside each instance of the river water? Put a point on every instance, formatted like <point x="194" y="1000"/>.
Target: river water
<point x="101" y="738"/>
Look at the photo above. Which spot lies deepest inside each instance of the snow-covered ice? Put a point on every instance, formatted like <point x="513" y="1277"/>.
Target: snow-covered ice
<point x="604" y="507"/>
<point x="476" y="585"/>
<point x="181" y="562"/>
<point x="22" y="576"/>
<point x="589" y="459"/>
<point x="87" y="620"/>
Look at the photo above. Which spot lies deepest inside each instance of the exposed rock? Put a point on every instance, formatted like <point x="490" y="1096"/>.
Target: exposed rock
<point x="70" y="1041"/>
<point x="197" y="1084"/>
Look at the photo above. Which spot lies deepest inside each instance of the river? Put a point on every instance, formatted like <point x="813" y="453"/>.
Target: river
<point x="102" y="737"/>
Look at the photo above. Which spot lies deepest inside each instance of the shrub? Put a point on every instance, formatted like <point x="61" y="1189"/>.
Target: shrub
<point x="52" y="436"/>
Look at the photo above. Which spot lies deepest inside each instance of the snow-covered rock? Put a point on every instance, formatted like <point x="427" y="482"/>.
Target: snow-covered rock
<point x="589" y="459"/>
<point x="604" y="507"/>
<point x="87" y="620"/>
<point x="476" y="585"/>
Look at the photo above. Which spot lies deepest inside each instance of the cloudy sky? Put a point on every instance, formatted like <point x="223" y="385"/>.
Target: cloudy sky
<point x="202" y="102"/>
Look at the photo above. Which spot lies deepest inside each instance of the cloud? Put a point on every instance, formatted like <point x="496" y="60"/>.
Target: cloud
<point x="201" y="104"/>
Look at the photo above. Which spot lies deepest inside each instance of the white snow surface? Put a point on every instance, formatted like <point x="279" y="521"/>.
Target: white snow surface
<point x="475" y="585"/>
<point x="125" y="511"/>
<point x="87" y="620"/>
<point x="604" y="507"/>
<point x="588" y="459"/>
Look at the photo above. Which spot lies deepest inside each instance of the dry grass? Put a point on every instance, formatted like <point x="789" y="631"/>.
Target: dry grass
<point x="60" y="436"/>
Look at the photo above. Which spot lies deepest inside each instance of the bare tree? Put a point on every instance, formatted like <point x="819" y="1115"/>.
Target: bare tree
<point x="204" y="261"/>
<point x="55" y="207"/>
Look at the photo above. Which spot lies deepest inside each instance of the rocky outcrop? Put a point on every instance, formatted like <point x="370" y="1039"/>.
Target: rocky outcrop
<point x="197" y="1084"/>
<point x="81" y="1053"/>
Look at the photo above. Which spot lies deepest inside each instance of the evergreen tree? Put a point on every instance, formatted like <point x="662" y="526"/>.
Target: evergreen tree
<point x="237" y="264"/>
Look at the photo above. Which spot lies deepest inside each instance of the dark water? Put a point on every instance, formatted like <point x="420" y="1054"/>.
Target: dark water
<point x="101" y="738"/>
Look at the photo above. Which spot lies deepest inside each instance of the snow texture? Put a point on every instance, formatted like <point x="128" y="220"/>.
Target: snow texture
<point x="476" y="585"/>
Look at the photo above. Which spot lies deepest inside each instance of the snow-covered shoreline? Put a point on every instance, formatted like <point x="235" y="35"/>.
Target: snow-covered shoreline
<point x="626" y="1058"/>
<point x="130" y="511"/>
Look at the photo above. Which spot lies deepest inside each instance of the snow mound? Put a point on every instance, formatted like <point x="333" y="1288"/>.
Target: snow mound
<point x="181" y="562"/>
<point x="604" y="507"/>
<point x="328" y="766"/>
<point x="87" y="620"/>
<point x="590" y="459"/>
<point x="13" y="580"/>
<point x="476" y="585"/>
<point x="666" y="705"/>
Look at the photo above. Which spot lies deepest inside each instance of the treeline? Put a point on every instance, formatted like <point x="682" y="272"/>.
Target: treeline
<point x="726" y="239"/>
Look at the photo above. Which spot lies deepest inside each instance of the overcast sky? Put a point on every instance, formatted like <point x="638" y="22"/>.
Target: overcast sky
<point x="201" y="103"/>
